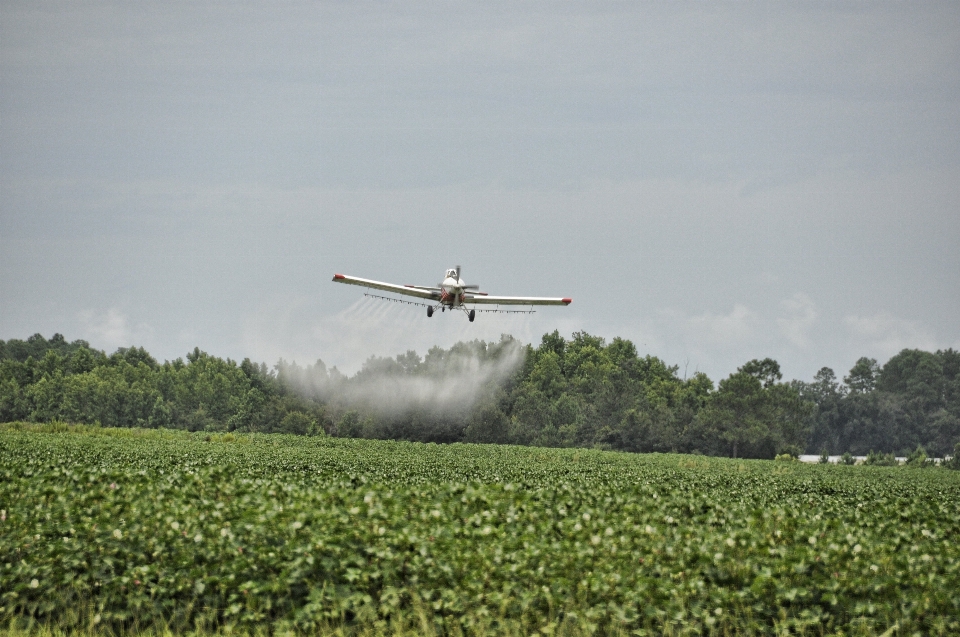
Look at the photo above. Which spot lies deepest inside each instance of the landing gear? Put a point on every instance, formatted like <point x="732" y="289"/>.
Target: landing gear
<point x="471" y="314"/>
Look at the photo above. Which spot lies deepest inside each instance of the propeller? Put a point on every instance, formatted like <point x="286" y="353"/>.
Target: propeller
<point x="462" y="287"/>
<point x="466" y="287"/>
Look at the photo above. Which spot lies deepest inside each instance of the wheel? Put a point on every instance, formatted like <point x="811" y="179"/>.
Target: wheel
<point x="472" y="315"/>
<point x="429" y="312"/>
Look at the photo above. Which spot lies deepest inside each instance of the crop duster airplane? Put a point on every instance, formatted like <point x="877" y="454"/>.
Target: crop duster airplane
<point x="452" y="294"/>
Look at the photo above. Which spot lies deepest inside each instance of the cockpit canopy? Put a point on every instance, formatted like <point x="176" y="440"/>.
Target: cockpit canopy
<point x="452" y="274"/>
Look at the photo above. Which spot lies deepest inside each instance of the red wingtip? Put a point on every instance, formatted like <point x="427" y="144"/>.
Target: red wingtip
<point x="338" y="276"/>
<point x="567" y="301"/>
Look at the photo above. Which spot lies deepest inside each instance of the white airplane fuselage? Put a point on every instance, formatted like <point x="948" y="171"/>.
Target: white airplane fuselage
<point x="451" y="291"/>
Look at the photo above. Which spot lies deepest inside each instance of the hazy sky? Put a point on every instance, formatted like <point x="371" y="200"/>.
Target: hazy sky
<point x="714" y="181"/>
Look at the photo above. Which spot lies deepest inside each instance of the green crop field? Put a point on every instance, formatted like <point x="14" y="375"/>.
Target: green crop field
<point x="127" y="531"/>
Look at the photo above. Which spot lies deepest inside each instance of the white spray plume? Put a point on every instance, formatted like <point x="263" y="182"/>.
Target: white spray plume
<point x="441" y="382"/>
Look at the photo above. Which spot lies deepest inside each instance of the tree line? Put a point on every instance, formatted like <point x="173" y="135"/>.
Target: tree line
<point x="582" y="391"/>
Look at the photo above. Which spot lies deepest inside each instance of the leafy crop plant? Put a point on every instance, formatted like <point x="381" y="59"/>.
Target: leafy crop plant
<point x="151" y="531"/>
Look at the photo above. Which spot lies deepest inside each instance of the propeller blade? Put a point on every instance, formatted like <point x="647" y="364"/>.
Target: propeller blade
<point x="458" y="273"/>
<point x="471" y="287"/>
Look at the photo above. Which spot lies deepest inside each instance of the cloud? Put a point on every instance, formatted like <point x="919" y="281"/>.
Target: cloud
<point x="885" y="334"/>
<point x="111" y="329"/>
<point x="720" y="329"/>
<point x="801" y="315"/>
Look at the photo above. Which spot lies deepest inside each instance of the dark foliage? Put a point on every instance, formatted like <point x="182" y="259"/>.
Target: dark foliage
<point x="581" y="392"/>
<point x="912" y="401"/>
<point x="44" y="380"/>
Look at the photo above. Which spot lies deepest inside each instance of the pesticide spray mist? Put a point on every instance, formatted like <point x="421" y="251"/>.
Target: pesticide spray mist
<point x="441" y="383"/>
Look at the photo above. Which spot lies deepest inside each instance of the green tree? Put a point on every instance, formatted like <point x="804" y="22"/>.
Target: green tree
<point x="826" y="393"/>
<point x="953" y="462"/>
<point x="555" y="343"/>
<point x="488" y="424"/>
<point x="863" y="376"/>
<point x="766" y="371"/>
<point x="735" y="414"/>
<point x="297" y="422"/>
<point x="350" y="425"/>
<point x="791" y="418"/>
<point x="532" y="414"/>
<point x="546" y="375"/>
<point x="918" y="458"/>
<point x="879" y="459"/>
<point x="160" y="414"/>
<point x="753" y="415"/>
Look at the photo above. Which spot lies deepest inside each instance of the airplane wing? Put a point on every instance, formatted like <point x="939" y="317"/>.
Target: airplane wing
<point x="486" y="299"/>
<point x="409" y="290"/>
